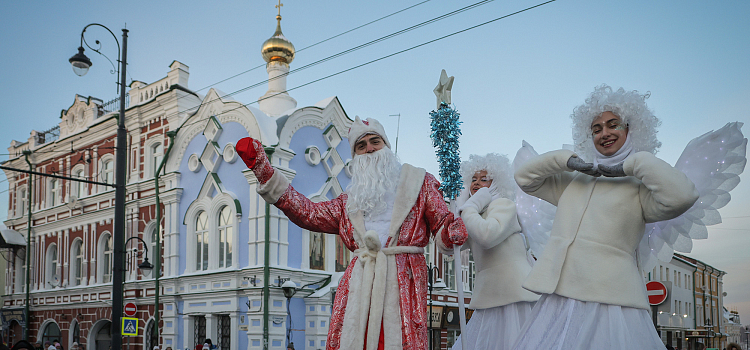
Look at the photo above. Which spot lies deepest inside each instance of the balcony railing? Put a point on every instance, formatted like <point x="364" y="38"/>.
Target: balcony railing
<point x="114" y="105"/>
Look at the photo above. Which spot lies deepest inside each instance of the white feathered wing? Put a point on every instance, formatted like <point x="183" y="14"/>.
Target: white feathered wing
<point x="713" y="162"/>
<point x="535" y="215"/>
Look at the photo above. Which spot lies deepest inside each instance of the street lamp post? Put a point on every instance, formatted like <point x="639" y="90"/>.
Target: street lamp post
<point x="81" y="65"/>
<point x="144" y="266"/>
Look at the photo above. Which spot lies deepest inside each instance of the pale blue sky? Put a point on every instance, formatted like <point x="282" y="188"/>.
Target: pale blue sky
<point x="517" y="78"/>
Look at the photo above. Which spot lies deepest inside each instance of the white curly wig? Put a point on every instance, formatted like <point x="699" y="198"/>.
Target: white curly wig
<point x="498" y="170"/>
<point x="630" y="106"/>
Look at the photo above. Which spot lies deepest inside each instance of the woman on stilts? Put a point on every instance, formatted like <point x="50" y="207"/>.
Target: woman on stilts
<point x="593" y="295"/>
<point x="486" y="205"/>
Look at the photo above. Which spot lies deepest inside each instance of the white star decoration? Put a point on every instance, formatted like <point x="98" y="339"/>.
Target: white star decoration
<point x="443" y="89"/>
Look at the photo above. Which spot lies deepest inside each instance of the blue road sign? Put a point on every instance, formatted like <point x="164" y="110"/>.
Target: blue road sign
<point x="130" y="326"/>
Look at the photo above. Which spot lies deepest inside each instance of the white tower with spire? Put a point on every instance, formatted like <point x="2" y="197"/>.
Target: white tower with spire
<point x="278" y="52"/>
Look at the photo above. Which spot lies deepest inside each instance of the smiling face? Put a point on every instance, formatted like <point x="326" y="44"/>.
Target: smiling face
<point x="609" y="133"/>
<point x="368" y="144"/>
<point x="478" y="181"/>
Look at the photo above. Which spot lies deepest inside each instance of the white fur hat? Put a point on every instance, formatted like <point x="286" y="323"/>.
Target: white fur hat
<point x="361" y="128"/>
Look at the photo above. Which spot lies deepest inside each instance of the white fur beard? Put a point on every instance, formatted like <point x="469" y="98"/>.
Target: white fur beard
<point x="373" y="175"/>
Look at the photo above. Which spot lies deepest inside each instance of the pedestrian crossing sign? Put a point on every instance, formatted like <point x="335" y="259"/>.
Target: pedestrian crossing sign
<point x="130" y="326"/>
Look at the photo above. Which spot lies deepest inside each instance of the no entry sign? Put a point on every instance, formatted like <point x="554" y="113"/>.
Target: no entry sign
<point x="130" y="309"/>
<point x="656" y="292"/>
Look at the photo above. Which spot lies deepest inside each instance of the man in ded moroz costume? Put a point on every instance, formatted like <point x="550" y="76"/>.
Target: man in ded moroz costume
<point x="593" y="295"/>
<point x="386" y="217"/>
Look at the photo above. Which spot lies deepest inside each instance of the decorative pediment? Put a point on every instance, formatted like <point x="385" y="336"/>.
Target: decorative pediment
<point x="80" y="115"/>
<point x="212" y="188"/>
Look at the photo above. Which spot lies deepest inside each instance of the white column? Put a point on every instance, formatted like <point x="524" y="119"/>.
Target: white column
<point x="92" y="259"/>
<point x="189" y="336"/>
<point x="234" y="327"/>
<point x="66" y="241"/>
<point x="211" y="327"/>
<point x="255" y="218"/>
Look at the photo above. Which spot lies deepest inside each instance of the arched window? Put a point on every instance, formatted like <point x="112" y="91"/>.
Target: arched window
<point x="50" y="273"/>
<point x="225" y="237"/>
<point x="103" y="337"/>
<point x="75" y="333"/>
<point x="151" y="338"/>
<point x="79" y="188"/>
<point x="157" y="154"/>
<point x="105" y="262"/>
<point x="108" y="173"/>
<point x="51" y="333"/>
<point x="76" y="268"/>
<point x="201" y="239"/>
<point x="53" y="196"/>
<point x="21" y="204"/>
<point x="154" y="238"/>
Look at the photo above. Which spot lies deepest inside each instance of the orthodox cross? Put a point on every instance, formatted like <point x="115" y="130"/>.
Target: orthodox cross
<point x="279" y="7"/>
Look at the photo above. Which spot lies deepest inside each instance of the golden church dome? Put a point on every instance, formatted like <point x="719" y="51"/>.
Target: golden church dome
<point x="278" y="47"/>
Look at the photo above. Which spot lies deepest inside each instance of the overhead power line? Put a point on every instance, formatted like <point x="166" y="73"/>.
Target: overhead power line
<point x="339" y="54"/>
<point x="383" y="57"/>
<point x="318" y="43"/>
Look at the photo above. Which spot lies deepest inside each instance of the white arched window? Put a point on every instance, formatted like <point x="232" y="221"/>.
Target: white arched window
<point x="21" y="203"/>
<point x="76" y="266"/>
<point x="104" y="263"/>
<point x="50" y="272"/>
<point x="53" y="194"/>
<point x="156" y="154"/>
<point x="78" y="188"/>
<point x="201" y="239"/>
<point x="107" y="173"/>
<point x="153" y="238"/>
<point x="225" y="237"/>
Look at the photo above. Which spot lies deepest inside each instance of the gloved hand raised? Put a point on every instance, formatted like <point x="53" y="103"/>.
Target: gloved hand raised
<point x="581" y="166"/>
<point x="252" y="153"/>
<point x="455" y="234"/>
<point x="616" y="170"/>
<point x="479" y="200"/>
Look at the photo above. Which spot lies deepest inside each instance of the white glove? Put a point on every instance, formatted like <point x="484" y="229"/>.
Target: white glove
<point x="479" y="200"/>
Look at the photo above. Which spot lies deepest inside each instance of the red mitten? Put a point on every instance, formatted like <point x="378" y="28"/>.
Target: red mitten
<point x="455" y="234"/>
<point x="252" y="153"/>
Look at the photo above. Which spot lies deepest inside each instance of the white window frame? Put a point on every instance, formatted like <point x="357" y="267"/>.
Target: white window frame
<point x="103" y="272"/>
<point x="148" y="237"/>
<point x="203" y="263"/>
<point x="105" y="173"/>
<point x="51" y="264"/>
<point x="77" y="188"/>
<point x="54" y="189"/>
<point x="225" y="237"/>
<point x="76" y="263"/>
<point x="449" y="273"/>
<point x="153" y="158"/>
<point x="21" y="204"/>
<point x="212" y="207"/>
<point x="20" y="280"/>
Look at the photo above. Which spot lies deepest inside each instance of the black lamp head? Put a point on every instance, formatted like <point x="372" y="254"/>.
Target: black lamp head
<point x="80" y="63"/>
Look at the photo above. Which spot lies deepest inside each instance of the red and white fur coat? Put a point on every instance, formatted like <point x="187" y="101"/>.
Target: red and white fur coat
<point x="381" y="286"/>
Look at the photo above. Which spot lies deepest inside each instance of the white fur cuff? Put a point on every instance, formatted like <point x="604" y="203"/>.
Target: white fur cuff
<point x="272" y="190"/>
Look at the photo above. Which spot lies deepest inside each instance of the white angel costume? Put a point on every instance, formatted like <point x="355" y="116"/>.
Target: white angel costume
<point x="589" y="272"/>
<point x="499" y="249"/>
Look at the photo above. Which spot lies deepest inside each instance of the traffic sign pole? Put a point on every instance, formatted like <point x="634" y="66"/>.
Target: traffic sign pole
<point x="657" y="294"/>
